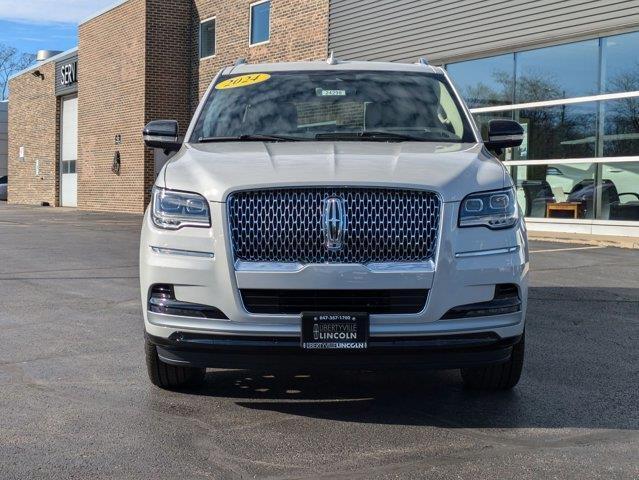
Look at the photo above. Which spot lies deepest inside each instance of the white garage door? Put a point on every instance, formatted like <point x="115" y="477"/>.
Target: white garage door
<point x="69" y="152"/>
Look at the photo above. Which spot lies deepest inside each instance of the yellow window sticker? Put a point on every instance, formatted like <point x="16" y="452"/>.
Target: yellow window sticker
<point x="243" y="81"/>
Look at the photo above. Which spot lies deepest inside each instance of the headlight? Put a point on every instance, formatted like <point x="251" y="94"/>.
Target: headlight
<point x="495" y="210"/>
<point x="173" y="210"/>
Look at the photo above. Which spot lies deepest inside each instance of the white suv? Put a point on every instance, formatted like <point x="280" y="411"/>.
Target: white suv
<point x="331" y="215"/>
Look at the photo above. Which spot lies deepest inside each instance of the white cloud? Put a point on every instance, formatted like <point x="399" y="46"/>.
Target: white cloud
<point x="50" y="11"/>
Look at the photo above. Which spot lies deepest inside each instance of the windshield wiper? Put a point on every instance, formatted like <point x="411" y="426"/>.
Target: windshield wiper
<point x="250" y="138"/>
<point x="369" y="135"/>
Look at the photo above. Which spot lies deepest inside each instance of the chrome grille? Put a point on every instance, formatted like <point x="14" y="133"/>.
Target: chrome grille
<point x="286" y="225"/>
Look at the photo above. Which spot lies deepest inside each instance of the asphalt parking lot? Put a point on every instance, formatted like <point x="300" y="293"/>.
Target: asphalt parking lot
<point x="76" y="402"/>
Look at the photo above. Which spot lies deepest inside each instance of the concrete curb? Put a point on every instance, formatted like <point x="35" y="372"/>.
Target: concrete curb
<point x="599" y="240"/>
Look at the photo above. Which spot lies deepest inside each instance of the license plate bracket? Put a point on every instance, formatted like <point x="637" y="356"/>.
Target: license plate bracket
<point x="335" y="330"/>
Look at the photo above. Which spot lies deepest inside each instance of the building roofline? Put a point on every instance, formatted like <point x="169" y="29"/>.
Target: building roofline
<point x="103" y="11"/>
<point x="59" y="56"/>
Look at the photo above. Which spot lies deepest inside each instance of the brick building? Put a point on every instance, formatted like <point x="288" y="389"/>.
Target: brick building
<point x="567" y="71"/>
<point x="136" y="61"/>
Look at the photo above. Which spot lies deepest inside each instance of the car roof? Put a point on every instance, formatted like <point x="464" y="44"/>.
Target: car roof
<point x="328" y="67"/>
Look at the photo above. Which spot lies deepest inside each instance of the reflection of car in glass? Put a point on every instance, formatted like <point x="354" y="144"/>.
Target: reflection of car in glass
<point x="333" y="216"/>
<point x="612" y="206"/>
<point x="4" y="184"/>
<point x="554" y="171"/>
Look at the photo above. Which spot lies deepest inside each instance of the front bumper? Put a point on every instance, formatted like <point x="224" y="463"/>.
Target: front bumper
<point x="266" y="353"/>
<point x="490" y="258"/>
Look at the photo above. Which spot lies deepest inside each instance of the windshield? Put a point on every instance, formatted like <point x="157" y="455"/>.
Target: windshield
<point x="344" y="105"/>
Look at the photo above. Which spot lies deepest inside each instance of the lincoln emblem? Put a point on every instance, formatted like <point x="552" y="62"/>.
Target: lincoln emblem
<point x="334" y="222"/>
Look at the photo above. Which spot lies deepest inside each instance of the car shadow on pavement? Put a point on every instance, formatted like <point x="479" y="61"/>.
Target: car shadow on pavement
<point x="580" y="371"/>
<point x="422" y="398"/>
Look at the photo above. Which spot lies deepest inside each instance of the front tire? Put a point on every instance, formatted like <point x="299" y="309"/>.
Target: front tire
<point x="170" y="377"/>
<point x="503" y="376"/>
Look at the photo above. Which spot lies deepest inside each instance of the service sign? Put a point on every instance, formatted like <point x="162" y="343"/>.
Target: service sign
<point x="66" y="76"/>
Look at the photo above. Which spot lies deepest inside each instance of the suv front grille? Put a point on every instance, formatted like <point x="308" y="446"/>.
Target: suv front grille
<point x="287" y="225"/>
<point x="294" y="302"/>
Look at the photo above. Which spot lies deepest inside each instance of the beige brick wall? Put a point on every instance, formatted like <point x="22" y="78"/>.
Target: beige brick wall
<point x="33" y="123"/>
<point x="168" y="68"/>
<point x="299" y="31"/>
<point x="139" y="62"/>
<point x="111" y="100"/>
<point x="135" y="65"/>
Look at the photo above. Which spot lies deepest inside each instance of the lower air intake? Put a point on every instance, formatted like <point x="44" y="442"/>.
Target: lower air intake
<point x="294" y="302"/>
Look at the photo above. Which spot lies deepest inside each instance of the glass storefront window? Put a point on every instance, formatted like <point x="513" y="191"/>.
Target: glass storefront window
<point x="621" y="63"/>
<point x="557" y="190"/>
<point x="621" y="127"/>
<point x="564" y="71"/>
<point x="619" y="191"/>
<point x="485" y="82"/>
<point x="551" y="73"/>
<point x="579" y="187"/>
<point x="565" y="131"/>
<point x="576" y="191"/>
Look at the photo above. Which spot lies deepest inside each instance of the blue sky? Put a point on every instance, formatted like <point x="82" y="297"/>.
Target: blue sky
<point x="31" y="25"/>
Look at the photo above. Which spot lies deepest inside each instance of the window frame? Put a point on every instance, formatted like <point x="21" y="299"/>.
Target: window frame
<point x="199" y="38"/>
<point x="250" y="29"/>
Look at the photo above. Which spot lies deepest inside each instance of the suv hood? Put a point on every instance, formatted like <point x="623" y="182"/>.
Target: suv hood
<point x="217" y="169"/>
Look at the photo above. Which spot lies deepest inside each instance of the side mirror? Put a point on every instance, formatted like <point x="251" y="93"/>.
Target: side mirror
<point x="162" y="134"/>
<point x="503" y="134"/>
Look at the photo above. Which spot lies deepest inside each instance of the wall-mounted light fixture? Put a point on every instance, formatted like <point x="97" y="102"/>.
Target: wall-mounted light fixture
<point x="38" y="73"/>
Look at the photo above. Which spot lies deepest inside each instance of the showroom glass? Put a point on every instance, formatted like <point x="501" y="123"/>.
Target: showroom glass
<point x="207" y="38"/>
<point x="621" y="127"/>
<point x="599" y="190"/>
<point x="321" y="105"/>
<point x="621" y="63"/>
<point x="563" y="71"/>
<point x="485" y="82"/>
<point x="619" y="188"/>
<point x="563" y="131"/>
<point x="541" y="188"/>
<point x="260" y="22"/>
<point x="576" y="191"/>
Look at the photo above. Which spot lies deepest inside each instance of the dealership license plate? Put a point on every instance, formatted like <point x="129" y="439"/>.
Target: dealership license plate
<point x="333" y="331"/>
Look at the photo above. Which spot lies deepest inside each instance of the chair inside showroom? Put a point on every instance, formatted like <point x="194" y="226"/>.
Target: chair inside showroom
<point x="538" y="194"/>
<point x="612" y="207"/>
